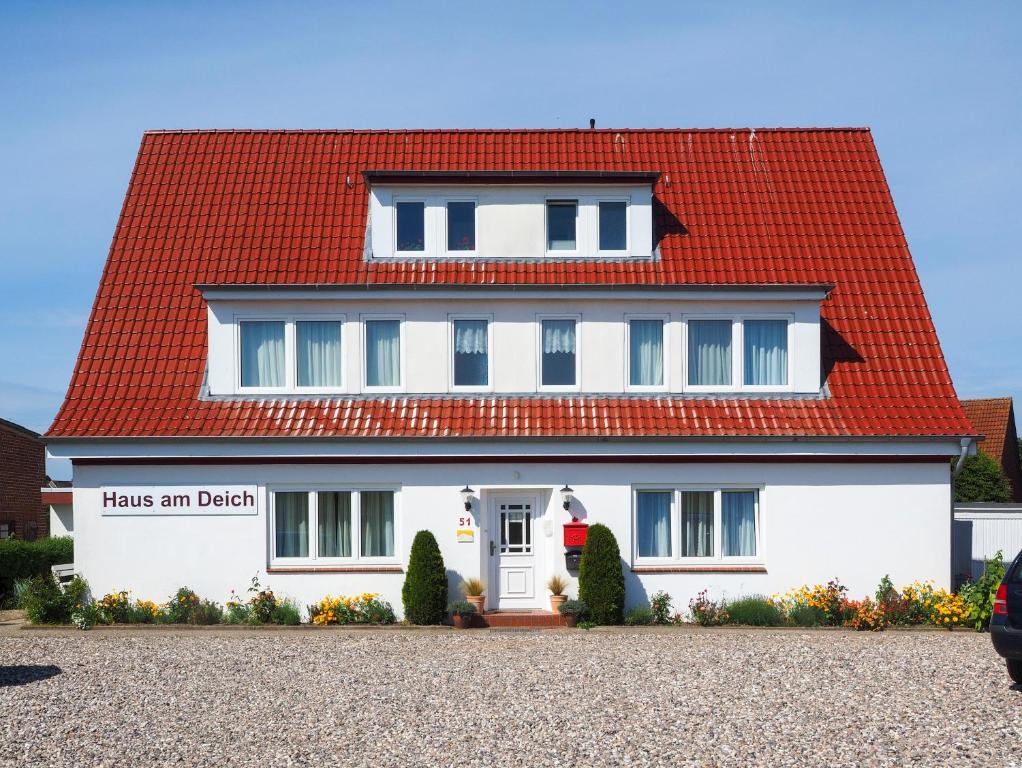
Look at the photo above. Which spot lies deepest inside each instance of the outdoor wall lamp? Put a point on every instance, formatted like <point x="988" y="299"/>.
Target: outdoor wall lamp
<point x="466" y="497"/>
<point x="567" y="494"/>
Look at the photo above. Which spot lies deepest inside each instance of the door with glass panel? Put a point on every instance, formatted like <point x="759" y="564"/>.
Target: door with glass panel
<point x="512" y="548"/>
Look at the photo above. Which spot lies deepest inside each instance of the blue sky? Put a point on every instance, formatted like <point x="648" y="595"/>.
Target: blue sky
<point x="937" y="82"/>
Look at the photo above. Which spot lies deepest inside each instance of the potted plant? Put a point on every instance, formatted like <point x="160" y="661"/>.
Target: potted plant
<point x="573" y="611"/>
<point x="473" y="589"/>
<point x="557" y="584"/>
<point x="462" y="613"/>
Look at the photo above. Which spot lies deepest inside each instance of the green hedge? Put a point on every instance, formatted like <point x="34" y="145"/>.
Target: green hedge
<point x="424" y="594"/>
<point x="24" y="559"/>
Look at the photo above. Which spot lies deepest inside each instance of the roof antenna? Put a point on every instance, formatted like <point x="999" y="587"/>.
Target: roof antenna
<point x="592" y="123"/>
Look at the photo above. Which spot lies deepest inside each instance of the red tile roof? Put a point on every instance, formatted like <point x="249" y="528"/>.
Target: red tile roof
<point x="735" y="207"/>
<point x="994" y="418"/>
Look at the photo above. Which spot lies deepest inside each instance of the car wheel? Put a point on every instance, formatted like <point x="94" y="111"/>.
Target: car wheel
<point x="1015" y="670"/>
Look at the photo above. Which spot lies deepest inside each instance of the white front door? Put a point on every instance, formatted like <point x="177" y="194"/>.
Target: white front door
<point x="513" y="552"/>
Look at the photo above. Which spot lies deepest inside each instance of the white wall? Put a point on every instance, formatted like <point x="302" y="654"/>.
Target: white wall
<point x="818" y="521"/>
<point x="601" y="338"/>
<point x="62" y="521"/>
<point x="981" y="531"/>
<point x="511" y="220"/>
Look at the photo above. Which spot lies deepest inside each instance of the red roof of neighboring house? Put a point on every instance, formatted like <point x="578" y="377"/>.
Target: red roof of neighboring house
<point x="994" y="418"/>
<point x="734" y="207"/>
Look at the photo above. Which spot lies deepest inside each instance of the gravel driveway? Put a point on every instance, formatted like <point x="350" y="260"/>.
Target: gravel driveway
<point x="605" y="697"/>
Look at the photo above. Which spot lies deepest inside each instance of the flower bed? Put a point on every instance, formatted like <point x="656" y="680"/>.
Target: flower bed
<point x="366" y="608"/>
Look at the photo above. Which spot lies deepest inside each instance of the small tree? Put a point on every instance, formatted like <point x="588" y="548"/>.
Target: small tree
<point x="982" y="479"/>
<point x="601" y="583"/>
<point x="424" y="594"/>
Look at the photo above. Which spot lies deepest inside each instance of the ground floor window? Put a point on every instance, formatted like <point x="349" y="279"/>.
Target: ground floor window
<point x="333" y="525"/>
<point x="680" y="524"/>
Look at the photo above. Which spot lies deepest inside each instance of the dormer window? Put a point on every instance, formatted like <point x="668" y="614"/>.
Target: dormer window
<point x="613" y="225"/>
<point x="461" y="225"/>
<point x="383" y="353"/>
<point x="262" y="354"/>
<point x="766" y="353"/>
<point x="319" y="353"/>
<point x="709" y="353"/>
<point x="561" y="221"/>
<point x="410" y="225"/>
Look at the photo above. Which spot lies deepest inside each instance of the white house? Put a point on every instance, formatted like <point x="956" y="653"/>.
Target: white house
<point x="307" y="346"/>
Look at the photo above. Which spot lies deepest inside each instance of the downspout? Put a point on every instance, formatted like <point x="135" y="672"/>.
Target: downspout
<point x="966" y="444"/>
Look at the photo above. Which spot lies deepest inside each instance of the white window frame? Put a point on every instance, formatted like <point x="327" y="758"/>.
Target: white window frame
<point x="578" y="226"/>
<point x="540" y="386"/>
<point x="789" y="386"/>
<point x="613" y="253"/>
<point x="718" y="557"/>
<point x="313" y="558"/>
<point x="368" y="317"/>
<point x="425" y="227"/>
<point x="320" y="318"/>
<point x="738" y="352"/>
<point x="451" y="319"/>
<point x="289" y="349"/>
<point x="475" y="225"/>
<point x="666" y="320"/>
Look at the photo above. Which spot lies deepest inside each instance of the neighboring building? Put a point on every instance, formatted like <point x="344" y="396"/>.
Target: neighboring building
<point x="305" y="345"/>
<point x="993" y="418"/>
<point x="22" y="472"/>
<point x="981" y="530"/>
<point x="58" y="498"/>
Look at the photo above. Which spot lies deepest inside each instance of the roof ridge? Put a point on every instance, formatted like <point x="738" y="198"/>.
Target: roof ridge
<point x="370" y="131"/>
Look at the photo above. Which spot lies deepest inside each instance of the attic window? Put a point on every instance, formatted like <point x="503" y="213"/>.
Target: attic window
<point x="561" y="218"/>
<point x="411" y="225"/>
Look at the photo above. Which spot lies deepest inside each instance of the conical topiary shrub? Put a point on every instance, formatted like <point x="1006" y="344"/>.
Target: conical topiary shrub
<point x="601" y="583"/>
<point x="424" y="594"/>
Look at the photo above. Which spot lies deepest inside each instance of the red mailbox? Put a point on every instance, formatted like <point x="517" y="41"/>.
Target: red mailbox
<point x="575" y="534"/>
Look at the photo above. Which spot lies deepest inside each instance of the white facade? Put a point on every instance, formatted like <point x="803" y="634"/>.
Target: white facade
<point x="816" y="521"/>
<point x="983" y="530"/>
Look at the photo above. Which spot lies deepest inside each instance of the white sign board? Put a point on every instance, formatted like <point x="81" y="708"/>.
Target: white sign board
<point x="178" y="500"/>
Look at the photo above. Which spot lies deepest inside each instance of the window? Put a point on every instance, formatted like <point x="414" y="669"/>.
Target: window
<point x="471" y="353"/>
<point x="383" y="353"/>
<point x="262" y="354"/>
<point x="319" y="353"/>
<point x="561" y="220"/>
<point x="645" y="353"/>
<point x="348" y="525"/>
<point x="613" y="225"/>
<point x="411" y="226"/>
<point x="696" y="524"/>
<point x="6" y="529"/>
<point x="766" y="352"/>
<point x="709" y="353"/>
<point x="558" y="358"/>
<point x="461" y="226"/>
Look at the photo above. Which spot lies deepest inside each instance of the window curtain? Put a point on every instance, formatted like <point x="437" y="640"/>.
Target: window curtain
<point x="739" y="523"/>
<point x="334" y="521"/>
<point x="319" y="354"/>
<point x="654" y="524"/>
<point x="377" y="523"/>
<point x="646" y="338"/>
<point x="559" y="352"/>
<point x="471" y="362"/>
<point x="696" y="524"/>
<point x="766" y="352"/>
<point x="383" y="353"/>
<point x="291" y="522"/>
<point x="262" y="354"/>
<point x="709" y="352"/>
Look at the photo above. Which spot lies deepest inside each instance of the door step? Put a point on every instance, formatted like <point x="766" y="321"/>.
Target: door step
<point x="520" y="619"/>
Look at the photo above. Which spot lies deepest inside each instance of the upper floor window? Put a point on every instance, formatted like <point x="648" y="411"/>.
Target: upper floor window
<point x="411" y="225"/>
<point x="262" y="353"/>
<point x="613" y="225"/>
<point x="383" y="353"/>
<point x="709" y="353"/>
<point x="471" y="353"/>
<point x="461" y="225"/>
<point x="766" y="352"/>
<point x="561" y="225"/>
<point x="318" y="345"/>
<point x="558" y="361"/>
<point x="646" y="352"/>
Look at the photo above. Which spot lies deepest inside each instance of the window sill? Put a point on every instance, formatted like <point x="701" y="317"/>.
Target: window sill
<point x="709" y="568"/>
<point x="335" y="569"/>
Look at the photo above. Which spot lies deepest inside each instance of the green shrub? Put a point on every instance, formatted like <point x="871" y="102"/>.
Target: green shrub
<point x="424" y="593"/>
<point x="574" y="608"/>
<point x="807" y="616"/>
<point x="46" y="602"/>
<point x="287" y="612"/>
<point x="660" y="607"/>
<point x="982" y="479"/>
<point x="707" y="612"/>
<point x="206" y="612"/>
<point x="639" y="616"/>
<point x="178" y="609"/>
<point x="601" y="583"/>
<point x="754" y="611"/>
<point x="25" y="559"/>
<point x="462" y="608"/>
<point x="979" y="595"/>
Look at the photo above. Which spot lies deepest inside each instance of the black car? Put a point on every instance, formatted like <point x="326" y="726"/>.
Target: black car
<point x="1006" y="623"/>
